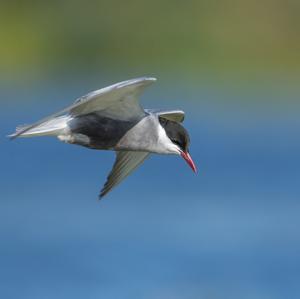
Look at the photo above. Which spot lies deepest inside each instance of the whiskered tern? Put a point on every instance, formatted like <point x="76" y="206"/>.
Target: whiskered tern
<point x="112" y="118"/>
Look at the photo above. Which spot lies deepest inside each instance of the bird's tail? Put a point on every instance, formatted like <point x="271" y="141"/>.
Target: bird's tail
<point x="52" y="127"/>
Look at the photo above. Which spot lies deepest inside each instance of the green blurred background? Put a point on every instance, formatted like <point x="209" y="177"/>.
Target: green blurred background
<point x="226" y="40"/>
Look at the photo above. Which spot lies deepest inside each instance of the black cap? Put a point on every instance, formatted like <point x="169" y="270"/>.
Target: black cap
<point x="176" y="132"/>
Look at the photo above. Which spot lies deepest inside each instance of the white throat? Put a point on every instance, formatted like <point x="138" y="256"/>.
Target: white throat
<point x="164" y="144"/>
<point x="148" y="135"/>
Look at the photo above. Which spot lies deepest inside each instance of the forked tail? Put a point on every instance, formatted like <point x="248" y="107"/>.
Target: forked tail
<point x="52" y="127"/>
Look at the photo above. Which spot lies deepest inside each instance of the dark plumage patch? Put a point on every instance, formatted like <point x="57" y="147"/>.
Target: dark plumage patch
<point x="176" y="132"/>
<point x="103" y="132"/>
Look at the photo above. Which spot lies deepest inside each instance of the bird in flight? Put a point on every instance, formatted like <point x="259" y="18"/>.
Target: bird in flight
<point x="112" y="118"/>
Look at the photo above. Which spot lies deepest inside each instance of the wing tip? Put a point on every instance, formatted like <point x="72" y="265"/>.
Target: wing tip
<point x="153" y="79"/>
<point x="103" y="192"/>
<point x="150" y="80"/>
<point x="141" y="80"/>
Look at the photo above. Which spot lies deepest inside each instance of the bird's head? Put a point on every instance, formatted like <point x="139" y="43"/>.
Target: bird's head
<point x="180" y="140"/>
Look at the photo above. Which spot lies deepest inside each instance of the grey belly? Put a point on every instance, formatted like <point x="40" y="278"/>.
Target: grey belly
<point x="97" y="132"/>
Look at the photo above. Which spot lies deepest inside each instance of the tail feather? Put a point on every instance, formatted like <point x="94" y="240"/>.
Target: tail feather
<point x="50" y="127"/>
<point x="21" y="127"/>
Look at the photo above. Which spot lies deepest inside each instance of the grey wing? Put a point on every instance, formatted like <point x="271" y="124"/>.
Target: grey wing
<point x="118" y="101"/>
<point x="126" y="162"/>
<point x="174" y="115"/>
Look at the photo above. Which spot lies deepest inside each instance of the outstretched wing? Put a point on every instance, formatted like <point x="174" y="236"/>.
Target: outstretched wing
<point x="174" y="115"/>
<point x="118" y="101"/>
<point x="126" y="162"/>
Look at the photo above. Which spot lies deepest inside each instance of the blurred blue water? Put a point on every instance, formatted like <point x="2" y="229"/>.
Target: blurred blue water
<point x="232" y="231"/>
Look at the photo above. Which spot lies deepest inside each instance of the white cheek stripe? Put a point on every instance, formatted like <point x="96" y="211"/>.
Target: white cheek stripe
<point x="165" y="144"/>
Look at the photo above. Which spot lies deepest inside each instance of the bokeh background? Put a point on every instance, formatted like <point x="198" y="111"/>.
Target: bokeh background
<point x="231" y="231"/>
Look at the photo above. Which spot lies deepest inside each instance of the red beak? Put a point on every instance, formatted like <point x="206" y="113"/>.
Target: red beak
<point x="186" y="156"/>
